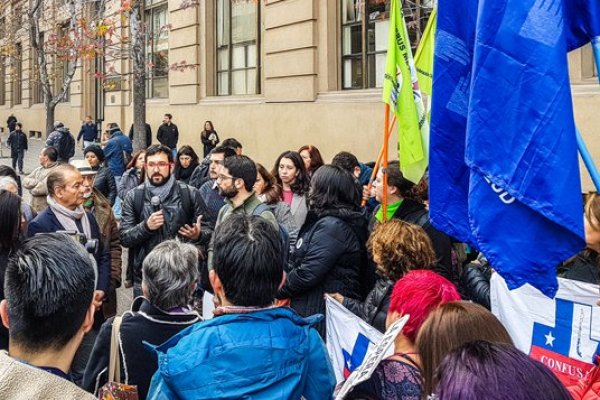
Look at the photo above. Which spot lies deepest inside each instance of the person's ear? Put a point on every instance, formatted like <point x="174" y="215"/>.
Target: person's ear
<point x="88" y="322"/>
<point x="4" y="313"/>
<point x="215" y="282"/>
<point x="357" y="172"/>
<point x="392" y="317"/>
<point x="393" y="190"/>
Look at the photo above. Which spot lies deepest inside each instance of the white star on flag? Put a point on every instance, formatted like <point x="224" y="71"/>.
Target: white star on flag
<point x="550" y="339"/>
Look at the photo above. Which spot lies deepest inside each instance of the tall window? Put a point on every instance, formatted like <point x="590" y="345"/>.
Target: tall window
<point x="238" y="55"/>
<point x="17" y="81"/>
<point x="34" y="81"/>
<point x="62" y="63"/>
<point x="157" y="48"/>
<point x="365" y="28"/>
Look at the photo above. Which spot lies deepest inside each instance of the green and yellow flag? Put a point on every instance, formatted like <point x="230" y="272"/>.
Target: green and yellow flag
<point x="401" y="92"/>
<point x="424" y="56"/>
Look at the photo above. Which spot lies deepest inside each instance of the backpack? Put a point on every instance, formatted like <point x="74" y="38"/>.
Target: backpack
<point x="284" y="236"/>
<point x="186" y="201"/>
<point x="66" y="145"/>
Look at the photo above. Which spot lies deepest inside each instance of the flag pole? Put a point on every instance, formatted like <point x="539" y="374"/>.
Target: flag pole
<point x="583" y="151"/>
<point x="386" y="126"/>
<point x="378" y="162"/>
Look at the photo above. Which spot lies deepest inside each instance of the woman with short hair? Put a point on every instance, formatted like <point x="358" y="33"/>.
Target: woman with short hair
<point x="398" y="377"/>
<point x="170" y="273"/>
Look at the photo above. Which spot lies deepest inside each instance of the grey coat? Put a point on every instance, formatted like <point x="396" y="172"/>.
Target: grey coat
<point x="299" y="209"/>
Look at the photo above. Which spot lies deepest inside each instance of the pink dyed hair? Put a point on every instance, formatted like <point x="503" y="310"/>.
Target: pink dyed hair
<point x="418" y="293"/>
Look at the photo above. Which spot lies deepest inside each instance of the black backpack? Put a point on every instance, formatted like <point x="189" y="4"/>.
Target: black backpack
<point x="66" y="145"/>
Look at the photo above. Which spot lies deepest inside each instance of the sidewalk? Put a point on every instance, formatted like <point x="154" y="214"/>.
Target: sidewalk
<point x="124" y="296"/>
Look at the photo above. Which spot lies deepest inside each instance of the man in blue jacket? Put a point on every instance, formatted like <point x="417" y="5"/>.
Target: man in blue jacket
<point x="251" y="349"/>
<point x="117" y="153"/>
<point x="88" y="131"/>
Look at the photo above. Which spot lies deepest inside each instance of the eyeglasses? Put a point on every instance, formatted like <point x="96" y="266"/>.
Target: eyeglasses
<point x="159" y="164"/>
<point x="221" y="177"/>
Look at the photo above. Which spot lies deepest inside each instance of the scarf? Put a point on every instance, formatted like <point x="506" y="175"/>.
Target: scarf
<point x="184" y="174"/>
<point x="67" y="217"/>
<point x="161" y="191"/>
<point x="391" y="210"/>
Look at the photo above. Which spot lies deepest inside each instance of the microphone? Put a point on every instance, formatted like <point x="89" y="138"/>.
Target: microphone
<point x="155" y="202"/>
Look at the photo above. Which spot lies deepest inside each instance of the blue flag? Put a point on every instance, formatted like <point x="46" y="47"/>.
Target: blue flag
<point x="502" y="107"/>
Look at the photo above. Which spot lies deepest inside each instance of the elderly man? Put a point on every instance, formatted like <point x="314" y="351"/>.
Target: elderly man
<point x="36" y="181"/>
<point x="253" y="350"/>
<point x="48" y="309"/>
<point x="170" y="273"/>
<point x="65" y="212"/>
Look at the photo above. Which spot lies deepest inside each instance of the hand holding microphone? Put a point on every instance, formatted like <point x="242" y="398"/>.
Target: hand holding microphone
<point x="157" y="218"/>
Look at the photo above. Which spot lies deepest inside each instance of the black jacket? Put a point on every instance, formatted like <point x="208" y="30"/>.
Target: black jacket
<point x="140" y="240"/>
<point x="105" y="183"/>
<point x="144" y="323"/>
<point x="168" y="135"/>
<point x="208" y="145"/>
<point x="583" y="267"/>
<point x="148" y="134"/>
<point x="17" y="141"/>
<point x="330" y="257"/>
<point x="375" y="307"/>
<point x="415" y="213"/>
<point x="475" y="283"/>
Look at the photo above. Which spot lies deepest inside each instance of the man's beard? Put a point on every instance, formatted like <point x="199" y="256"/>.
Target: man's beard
<point x="162" y="182"/>
<point x="229" y="192"/>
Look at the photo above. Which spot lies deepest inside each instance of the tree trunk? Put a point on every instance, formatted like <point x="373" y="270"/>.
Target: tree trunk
<point x="50" y="107"/>
<point x="139" y="78"/>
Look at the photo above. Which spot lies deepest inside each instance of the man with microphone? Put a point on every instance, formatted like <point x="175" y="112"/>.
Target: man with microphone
<point x="160" y="209"/>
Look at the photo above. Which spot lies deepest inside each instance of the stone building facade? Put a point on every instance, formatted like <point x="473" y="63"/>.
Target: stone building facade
<point x="276" y="74"/>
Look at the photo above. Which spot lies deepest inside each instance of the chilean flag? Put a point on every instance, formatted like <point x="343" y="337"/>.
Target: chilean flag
<point x="348" y="339"/>
<point x="563" y="333"/>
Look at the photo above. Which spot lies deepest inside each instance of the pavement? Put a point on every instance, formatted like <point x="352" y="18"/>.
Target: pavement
<point x="124" y="296"/>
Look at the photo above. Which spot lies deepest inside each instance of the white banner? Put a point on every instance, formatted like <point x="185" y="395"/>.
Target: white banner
<point x="563" y="333"/>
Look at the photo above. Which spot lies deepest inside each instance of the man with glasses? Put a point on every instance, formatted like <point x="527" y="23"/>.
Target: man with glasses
<point x="209" y="190"/>
<point x="161" y="209"/>
<point x="236" y="180"/>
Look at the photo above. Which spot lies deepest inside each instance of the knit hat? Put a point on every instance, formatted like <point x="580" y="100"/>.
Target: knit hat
<point x="97" y="150"/>
<point x="58" y="124"/>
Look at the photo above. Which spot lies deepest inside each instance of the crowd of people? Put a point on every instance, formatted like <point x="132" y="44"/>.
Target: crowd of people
<point x="265" y="247"/>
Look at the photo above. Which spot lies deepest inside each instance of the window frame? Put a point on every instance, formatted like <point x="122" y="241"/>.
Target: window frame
<point x="151" y="43"/>
<point x="365" y="55"/>
<point x="230" y="47"/>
